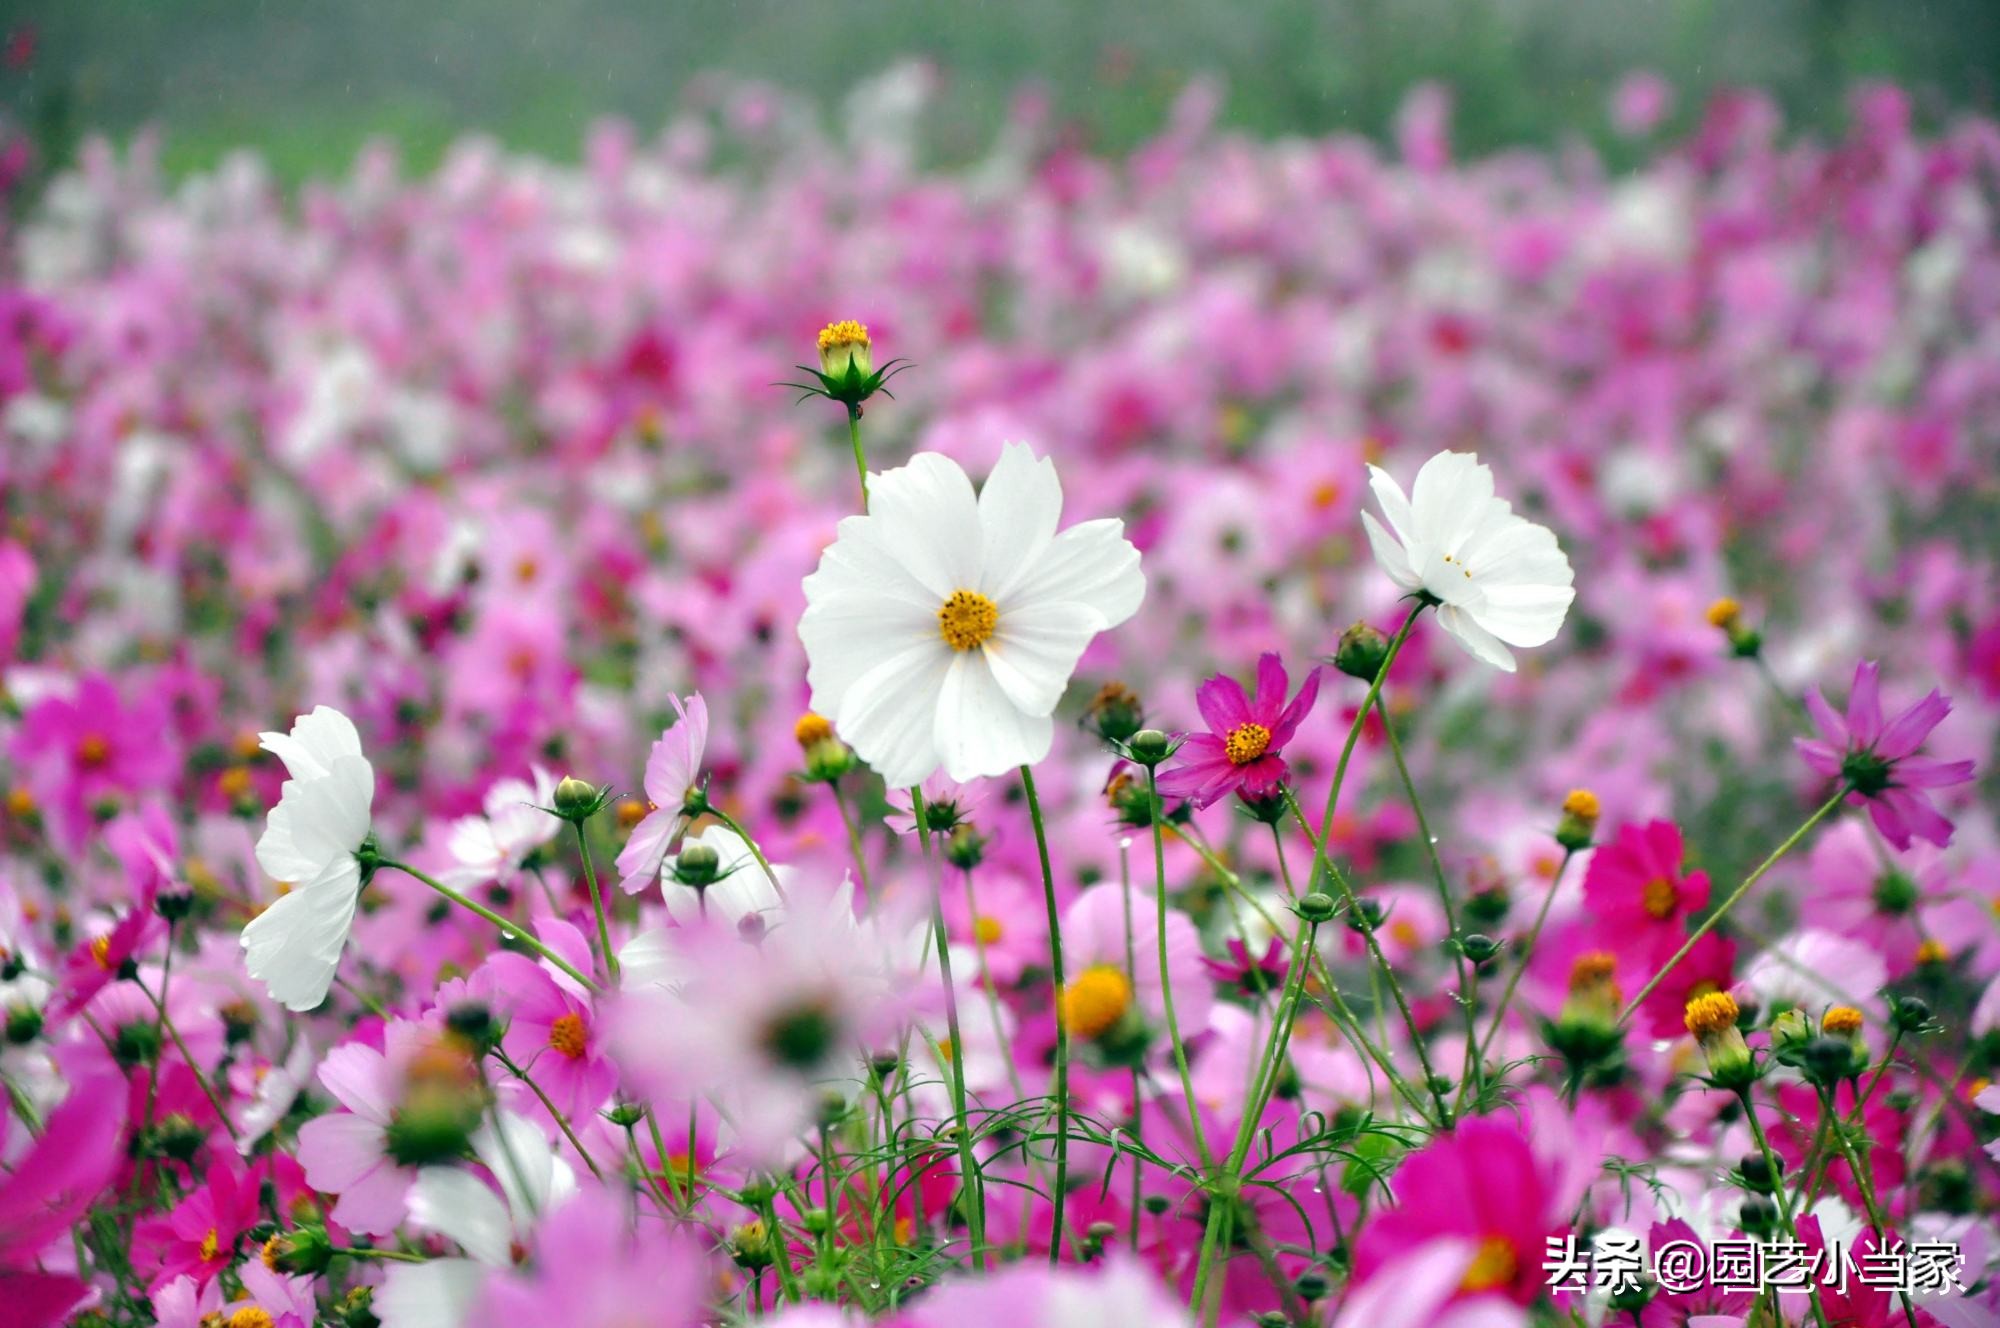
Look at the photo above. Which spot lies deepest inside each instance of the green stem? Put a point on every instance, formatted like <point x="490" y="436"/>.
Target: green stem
<point x="860" y="456"/>
<point x="1521" y="964"/>
<point x="749" y="843"/>
<point x="509" y="928"/>
<point x="972" y="1183"/>
<point x="1864" y="1180"/>
<point x="194" y="1068"/>
<point x="1061" y="980"/>
<point x="1466" y="977"/>
<point x="596" y="903"/>
<point x="854" y="842"/>
<point x="1166" y="984"/>
<point x="1773" y="1168"/>
<point x="1709" y="923"/>
<point x="562" y="1122"/>
<point x="1322" y="844"/>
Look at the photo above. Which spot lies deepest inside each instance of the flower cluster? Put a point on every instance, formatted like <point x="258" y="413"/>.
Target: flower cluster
<point x="1291" y="774"/>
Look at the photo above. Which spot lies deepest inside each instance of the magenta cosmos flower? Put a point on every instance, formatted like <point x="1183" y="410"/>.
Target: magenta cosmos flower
<point x="1242" y="752"/>
<point x="1638" y="892"/>
<point x="1878" y="759"/>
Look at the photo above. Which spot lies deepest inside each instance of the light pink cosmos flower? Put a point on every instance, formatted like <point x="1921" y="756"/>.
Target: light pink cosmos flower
<point x="765" y="1025"/>
<point x="348" y="1153"/>
<point x="1877" y="757"/>
<point x="553" y="1031"/>
<point x="591" y="1266"/>
<point x="1118" y="1293"/>
<point x="671" y="772"/>
<point x="51" y="1184"/>
<point x="1242" y="752"/>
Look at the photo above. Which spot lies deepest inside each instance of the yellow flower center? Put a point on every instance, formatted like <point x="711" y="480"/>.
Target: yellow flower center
<point x="209" y="1245"/>
<point x="1245" y="743"/>
<point x="100" y="950"/>
<point x="987" y="929"/>
<point x="93" y="750"/>
<point x="20" y="802"/>
<point x="233" y="782"/>
<point x="1660" y="897"/>
<point x="1591" y="968"/>
<point x="1932" y="952"/>
<point x="967" y="620"/>
<point x="566" y="1036"/>
<point x="1096" y="999"/>
<point x="1842" y="1020"/>
<point x="1723" y="613"/>
<point x="267" y="1253"/>
<point x="1712" y="1013"/>
<point x="1494" y="1266"/>
<point x="250" y="1317"/>
<point x="1582" y="804"/>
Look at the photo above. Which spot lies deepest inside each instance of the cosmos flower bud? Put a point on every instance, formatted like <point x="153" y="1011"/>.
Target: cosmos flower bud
<point x="304" y="1250"/>
<point x="1910" y="1014"/>
<point x="1311" y="1285"/>
<point x="1828" y="1059"/>
<point x="1932" y="953"/>
<point x="440" y="1109"/>
<point x="827" y="757"/>
<point x="750" y="1245"/>
<point x="24" y="1024"/>
<point x="1756" y="1173"/>
<point x="1844" y="1021"/>
<point x="473" y="1023"/>
<point x="698" y="865"/>
<point x="845" y="351"/>
<point x="1712" y="1020"/>
<point x="1316" y="907"/>
<point x="1790" y="1032"/>
<point x="1579" y="820"/>
<point x="1149" y="747"/>
<point x="964" y="847"/>
<point x="1480" y="949"/>
<point x="1115" y="713"/>
<point x="1758" y="1216"/>
<point x="1365" y="916"/>
<point x="1361" y="651"/>
<point x="1726" y="616"/>
<point x="577" y="801"/>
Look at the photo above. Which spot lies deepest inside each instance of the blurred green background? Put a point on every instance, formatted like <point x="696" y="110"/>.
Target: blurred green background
<point x="308" y="81"/>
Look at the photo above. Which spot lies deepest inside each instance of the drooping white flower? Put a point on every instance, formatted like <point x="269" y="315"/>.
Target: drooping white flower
<point x="459" y="1204"/>
<point x="310" y="843"/>
<point x="1500" y="580"/>
<point x="942" y="627"/>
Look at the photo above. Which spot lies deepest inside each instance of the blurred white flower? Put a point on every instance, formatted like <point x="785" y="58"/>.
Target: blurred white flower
<point x="1500" y="580"/>
<point x="310" y="844"/>
<point x="941" y="629"/>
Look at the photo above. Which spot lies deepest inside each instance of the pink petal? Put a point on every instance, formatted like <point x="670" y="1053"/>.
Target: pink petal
<point x="1222" y="703"/>
<point x="1908" y="730"/>
<point x="1864" y="705"/>
<point x="1271" y="685"/>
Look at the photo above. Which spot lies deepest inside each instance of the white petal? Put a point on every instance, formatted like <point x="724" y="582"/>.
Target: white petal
<point x="861" y="559"/>
<point x="437" y="1294"/>
<point x="1449" y="498"/>
<point x="926" y="518"/>
<point x="1395" y="505"/>
<point x="455" y="1203"/>
<point x="1091" y="563"/>
<point x="1018" y="510"/>
<point x="1389" y="555"/>
<point x="315" y="742"/>
<point x="847" y="635"/>
<point x="889" y="714"/>
<point x="293" y="947"/>
<point x="1034" y="651"/>
<point x="523" y="1160"/>
<point x="1475" y="638"/>
<point x="979" y="730"/>
<point x="318" y="820"/>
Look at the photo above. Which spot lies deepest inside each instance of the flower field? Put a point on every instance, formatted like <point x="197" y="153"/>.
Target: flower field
<point x="1257" y="732"/>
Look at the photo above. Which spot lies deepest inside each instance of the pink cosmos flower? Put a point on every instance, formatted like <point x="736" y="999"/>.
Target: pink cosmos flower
<point x="1118" y="1293"/>
<point x="90" y="748"/>
<point x="671" y="772"/>
<point x="1878" y="759"/>
<point x="1483" y="1184"/>
<point x="1639" y="893"/>
<point x="553" y="1033"/>
<point x="1242" y="752"/>
<point x="1709" y="966"/>
<point x="350" y="1153"/>
<point x="591" y="1267"/>
<point x="198" y="1238"/>
<point x="101" y="960"/>
<point x="50" y="1185"/>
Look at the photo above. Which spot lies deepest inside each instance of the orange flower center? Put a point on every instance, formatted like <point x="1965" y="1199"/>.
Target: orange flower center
<point x="209" y="1245"/>
<point x="100" y="950"/>
<point x="1494" y="1266"/>
<point x="566" y="1035"/>
<point x="987" y="929"/>
<point x="93" y="751"/>
<point x="1245" y="743"/>
<point x="1660" y="897"/>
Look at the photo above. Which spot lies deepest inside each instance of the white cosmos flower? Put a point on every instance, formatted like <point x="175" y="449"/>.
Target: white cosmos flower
<point x="490" y="847"/>
<point x="309" y="843"/>
<point x="456" y="1203"/>
<point x="941" y="629"/>
<point x="1500" y="579"/>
